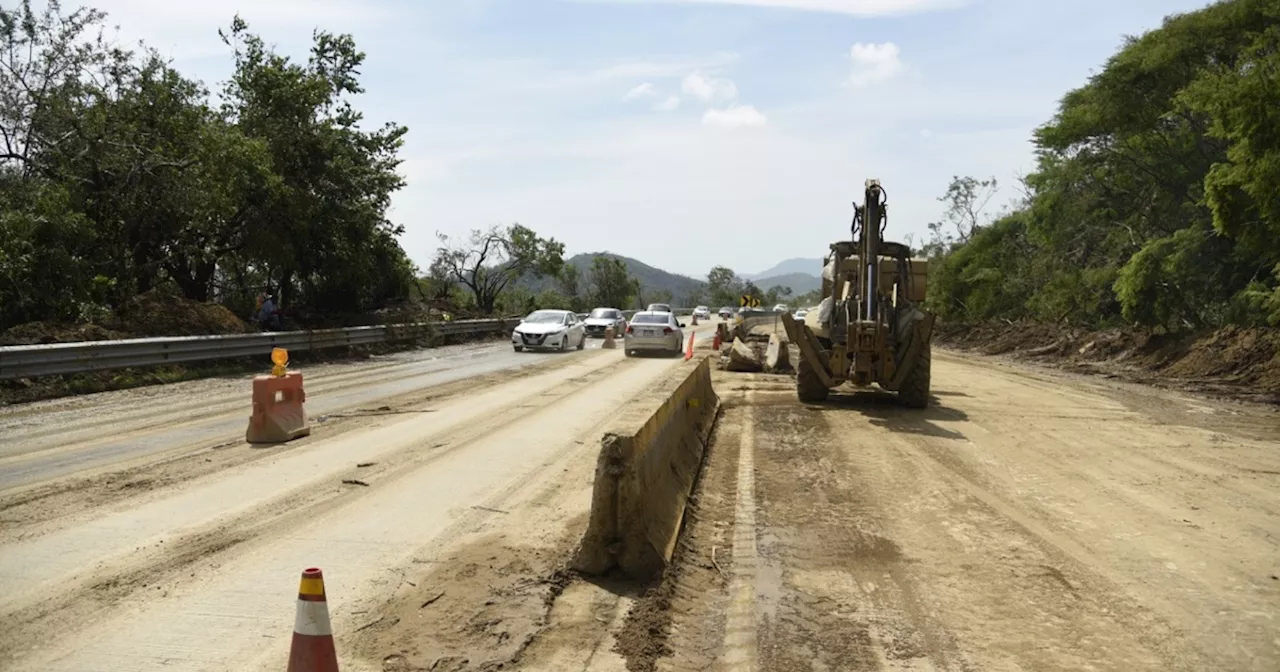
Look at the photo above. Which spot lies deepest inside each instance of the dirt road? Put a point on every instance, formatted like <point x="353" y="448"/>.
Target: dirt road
<point x="186" y="556"/>
<point x="1028" y="521"/>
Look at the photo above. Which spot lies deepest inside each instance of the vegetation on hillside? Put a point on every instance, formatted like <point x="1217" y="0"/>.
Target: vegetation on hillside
<point x="1156" y="200"/>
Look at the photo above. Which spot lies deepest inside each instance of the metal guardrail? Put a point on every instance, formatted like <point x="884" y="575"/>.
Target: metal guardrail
<point x="30" y="361"/>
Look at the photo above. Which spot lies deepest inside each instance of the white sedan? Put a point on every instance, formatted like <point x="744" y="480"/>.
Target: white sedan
<point x="651" y="330"/>
<point x="557" y="329"/>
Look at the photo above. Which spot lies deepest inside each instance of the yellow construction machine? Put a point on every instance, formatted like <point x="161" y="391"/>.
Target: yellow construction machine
<point x="869" y="327"/>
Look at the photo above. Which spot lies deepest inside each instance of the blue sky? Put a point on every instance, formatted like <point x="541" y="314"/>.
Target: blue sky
<point x="685" y="133"/>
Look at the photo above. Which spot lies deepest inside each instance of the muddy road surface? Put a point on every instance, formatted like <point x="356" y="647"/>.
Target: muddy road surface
<point x="152" y="537"/>
<point x="1029" y="520"/>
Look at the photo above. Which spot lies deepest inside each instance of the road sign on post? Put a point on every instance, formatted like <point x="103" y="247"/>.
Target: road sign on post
<point x="748" y="301"/>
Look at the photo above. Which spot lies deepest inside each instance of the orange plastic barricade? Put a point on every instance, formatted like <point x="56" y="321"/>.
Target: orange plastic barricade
<point x="278" y="414"/>
<point x="688" y="353"/>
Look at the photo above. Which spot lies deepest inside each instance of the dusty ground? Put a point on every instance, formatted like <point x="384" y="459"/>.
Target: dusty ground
<point x="1030" y="520"/>
<point x="1026" y="522"/>
<point x="417" y="487"/>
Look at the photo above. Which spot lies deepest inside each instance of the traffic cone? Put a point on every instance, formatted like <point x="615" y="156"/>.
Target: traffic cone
<point x="715" y="341"/>
<point x="312" y="649"/>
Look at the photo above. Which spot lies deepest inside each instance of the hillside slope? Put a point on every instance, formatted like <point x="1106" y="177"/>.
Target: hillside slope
<point x="798" y="265"/>
<point x="651" y="279"/>
<point x="798" y="282"/>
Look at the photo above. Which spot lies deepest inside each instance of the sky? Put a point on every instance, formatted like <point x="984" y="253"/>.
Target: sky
<point x="683" y="133"/>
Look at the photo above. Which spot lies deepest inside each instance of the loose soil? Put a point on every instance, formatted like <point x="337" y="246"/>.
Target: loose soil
<point x="1232" y="362"/>
<point x="1023" y="521"/>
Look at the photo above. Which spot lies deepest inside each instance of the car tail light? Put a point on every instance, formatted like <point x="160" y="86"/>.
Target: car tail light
<point x="629" y="331"/>
<point x="666" y="330"/>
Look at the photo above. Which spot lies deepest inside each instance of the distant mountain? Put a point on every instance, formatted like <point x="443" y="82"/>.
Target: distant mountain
<point x="798" y="282"/>
<point x="650" y="278"/>
<point x="798" y="265"/>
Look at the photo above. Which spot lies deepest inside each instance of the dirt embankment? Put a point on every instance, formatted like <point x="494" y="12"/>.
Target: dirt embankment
<point x="1230" y="362"/>
<point x="152" y="314"/>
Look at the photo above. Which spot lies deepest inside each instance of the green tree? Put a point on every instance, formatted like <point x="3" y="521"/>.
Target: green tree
<point x="724" y="286"/>
<point x="568" y="281"/>
<point x="611" y="285"/>
<point x="1155" y="197"/>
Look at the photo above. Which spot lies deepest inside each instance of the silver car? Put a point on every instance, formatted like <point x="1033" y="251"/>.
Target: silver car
<point x="653" y="331"/>
<point x="601" y="319"/>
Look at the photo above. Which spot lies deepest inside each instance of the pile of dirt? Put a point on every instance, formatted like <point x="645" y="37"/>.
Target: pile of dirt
<point x="157" y="313"/>
<point x="154" y="313"/>
<point x="1232" y="361"/>
<point x="34" y="333"/>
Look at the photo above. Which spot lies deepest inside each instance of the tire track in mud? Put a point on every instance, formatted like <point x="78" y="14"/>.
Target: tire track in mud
<point x="848" y="600"/>
<point x="741" y="647"/>
<point x="31" y="511"/>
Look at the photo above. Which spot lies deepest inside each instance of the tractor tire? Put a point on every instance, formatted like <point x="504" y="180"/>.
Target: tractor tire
<point x="915" y="389"/>
<point x="809" y="387"/>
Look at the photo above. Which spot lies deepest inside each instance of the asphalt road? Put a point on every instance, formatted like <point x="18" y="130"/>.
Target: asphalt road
<point x="141" y="533"/>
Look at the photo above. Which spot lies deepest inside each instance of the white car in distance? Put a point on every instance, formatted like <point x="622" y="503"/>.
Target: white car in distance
<point x="653" y="331"/>
<point x="549" y="329"/>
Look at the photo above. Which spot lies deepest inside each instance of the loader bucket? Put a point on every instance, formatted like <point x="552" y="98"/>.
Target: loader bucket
<point x="810" y="348"/>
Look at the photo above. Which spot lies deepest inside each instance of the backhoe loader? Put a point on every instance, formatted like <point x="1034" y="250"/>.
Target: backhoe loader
<point x="869" y="327"/>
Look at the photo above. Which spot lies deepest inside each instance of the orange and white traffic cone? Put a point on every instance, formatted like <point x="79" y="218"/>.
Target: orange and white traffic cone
<point x="312" y="649"/>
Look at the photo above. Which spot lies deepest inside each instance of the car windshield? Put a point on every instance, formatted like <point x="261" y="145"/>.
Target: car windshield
<point x="603" y="313"/>
<point x="649" y="319"/>
<point x="544" y="316"/>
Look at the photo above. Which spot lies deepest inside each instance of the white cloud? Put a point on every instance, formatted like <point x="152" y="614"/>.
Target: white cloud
<point x="671" y="103"/>
<point x="735" y="116"/>
<point x="852" y="7"/>
<point x="710" y="89"/>
<point x="874" y="63"/>
<point x="641" y="91"/>
<point x="926" y="133"/>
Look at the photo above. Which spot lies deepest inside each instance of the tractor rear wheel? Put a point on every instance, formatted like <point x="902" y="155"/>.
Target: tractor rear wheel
<point x="915" y="389"/>
<point x="809" y="387"/>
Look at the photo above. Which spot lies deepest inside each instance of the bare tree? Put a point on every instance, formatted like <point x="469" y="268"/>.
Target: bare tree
<point x="966" y="199"/>
<point x="491" y="260"/>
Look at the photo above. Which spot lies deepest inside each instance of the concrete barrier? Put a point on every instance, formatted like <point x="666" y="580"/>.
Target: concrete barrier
<point x="757" y="323"/>
<point x="649" y="460"/>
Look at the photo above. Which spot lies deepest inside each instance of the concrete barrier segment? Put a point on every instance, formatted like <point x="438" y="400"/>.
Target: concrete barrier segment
<point x="645" y="473"/>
